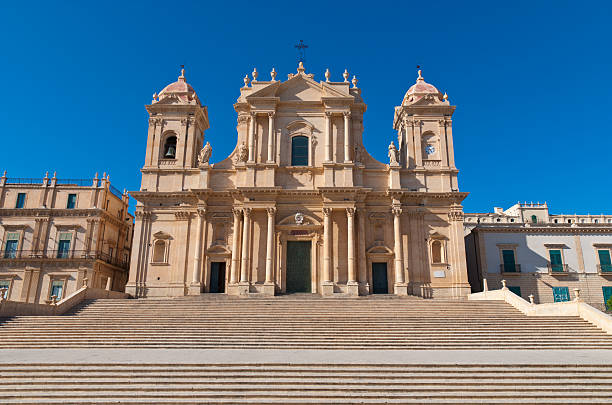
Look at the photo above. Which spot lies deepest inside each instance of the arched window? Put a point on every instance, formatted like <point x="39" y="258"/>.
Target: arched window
<point x="534" y="219"/>
<point x="436" y="251"/>
<point x="170" y="147"/>
<point x="299" y="151"/>
<point x="159" y="251"/>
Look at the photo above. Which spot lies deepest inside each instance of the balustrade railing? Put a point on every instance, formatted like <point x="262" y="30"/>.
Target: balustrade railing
<point x="64" y="255"/>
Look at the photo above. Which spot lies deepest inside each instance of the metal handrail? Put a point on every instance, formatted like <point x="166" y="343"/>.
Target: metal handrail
<point x="24" y="180"/>
<point x="557" y="268"/>
<point x="115" y="191"/>
<point x="604" y="268"/>
<point x="510" y="269"/>
<point x="76" y="182"/>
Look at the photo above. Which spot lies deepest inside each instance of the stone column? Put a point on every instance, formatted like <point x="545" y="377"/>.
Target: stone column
<point x="361" y="256"/>
<point x="235" y="246"/>
<point x="246" y="228"/>
<point x="196" y="282"/>
<point x="271" y="137"/>
<point x="328" y="137"/>
<point x="352" y="285"/>
<point x="418" y="147"/>
<point x="347" y="135"/>
<point x="252" y="138"/>
<point x="270" y="253"/>
<point x="400" y="287"/>
<point x="327" y="287"/>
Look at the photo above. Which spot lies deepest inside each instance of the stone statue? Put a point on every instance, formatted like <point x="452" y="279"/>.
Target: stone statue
<point x="358" y="154"/>
<point x="243" y="153"/>
<point x="392" y="154"/>
<point x="205" y="153"/>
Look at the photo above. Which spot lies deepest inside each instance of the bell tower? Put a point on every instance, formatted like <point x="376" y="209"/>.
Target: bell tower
<point x="177" y="121"/>
<point x="424" y="133"/>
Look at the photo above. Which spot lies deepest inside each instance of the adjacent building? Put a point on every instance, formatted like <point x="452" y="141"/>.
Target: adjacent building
<point x="299" y="205"/>
<point x="540" y="254"/>
<point x="57" y="234"/>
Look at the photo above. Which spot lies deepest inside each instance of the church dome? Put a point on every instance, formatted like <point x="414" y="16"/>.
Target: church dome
<point x="180" y="90"/>
<point x="419" y="89"/>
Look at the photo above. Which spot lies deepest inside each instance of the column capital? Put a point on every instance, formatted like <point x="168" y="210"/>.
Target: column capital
<point x="247" y="212"/>
<point x="327" y="211"/>
<point x="271" y="114"/>
<point x="271" y="211"/>
<point x="346" y="113"/>
<point x="397" y="211"/>
<point x="328" y="114"/>
<point x="201" y="212"/>
<point x="350" y="212"/>
<point x="237" y="211"/>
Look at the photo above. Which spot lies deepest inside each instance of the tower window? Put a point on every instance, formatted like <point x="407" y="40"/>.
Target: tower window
<point x="534" y="219"/>
<point x="299" y="151"/>
<point x="170" y="148"/>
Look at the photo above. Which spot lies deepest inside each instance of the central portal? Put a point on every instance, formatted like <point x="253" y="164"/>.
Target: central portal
<point x="298" y="267"/>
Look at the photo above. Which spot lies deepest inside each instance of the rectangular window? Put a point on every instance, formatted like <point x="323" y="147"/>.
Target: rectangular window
<point x="71" y="201"/>
<point x="63" y="246"/>
<point x="556" y="260"/>
<point x="604" y="260"/>
<point x="57" y="289"/>
<point x="509" y="262"/>
<point x="20" y="200"/>
<point x="12" y="244"/>
<point x="561" y="294"/>
<point x="515" y="289"/>
<point x="607" y="294"/>
<point x="5" y="284"/>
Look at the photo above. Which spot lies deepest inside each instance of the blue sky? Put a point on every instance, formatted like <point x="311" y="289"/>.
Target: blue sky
<point x="531" y="81"/>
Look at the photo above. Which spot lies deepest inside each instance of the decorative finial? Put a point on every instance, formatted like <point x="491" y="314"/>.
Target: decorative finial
<point x="345" y="75"/>
<point x="96" y="176"/>
<point x="46" y="175"/>
<point x="273" y="75"/>
<point x="104" y="175"/>
<point x="4" y="174"/>
<point x="445" y="96"/>
<point x="255" y="74"/>
<point x="301" y="67"/>
<point x="55" y="175"/>
<point x="182" y="76"/>
<point x="327" y="75"/>
<point x="354" y="81"/>
<point x="154" y="98"/>
<point x="246" y="80"/>
<point x="420" y="76"/>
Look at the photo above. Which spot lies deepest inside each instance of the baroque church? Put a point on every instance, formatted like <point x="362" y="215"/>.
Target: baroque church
<point x="299" y="206"/>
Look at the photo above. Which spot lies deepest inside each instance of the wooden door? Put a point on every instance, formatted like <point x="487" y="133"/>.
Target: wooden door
<point x="298" y="267"/>
<point x="379" y="278"/>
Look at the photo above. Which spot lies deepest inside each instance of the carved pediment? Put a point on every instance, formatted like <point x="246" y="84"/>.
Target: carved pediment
<point x="379" y="249"/>
<point x="299" y="219"/>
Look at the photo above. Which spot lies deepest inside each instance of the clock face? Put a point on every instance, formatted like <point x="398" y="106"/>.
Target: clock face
<point x="429" y="149"/>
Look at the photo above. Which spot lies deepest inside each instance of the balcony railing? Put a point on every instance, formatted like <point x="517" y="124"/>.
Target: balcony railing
<point x="64" y="255"/>
<point x="558" y="268"/>
<point x="23" y="180"/>
<point x="516" y="268"/>
<point x="115" y="191"/>
<point x="604" y="269"/>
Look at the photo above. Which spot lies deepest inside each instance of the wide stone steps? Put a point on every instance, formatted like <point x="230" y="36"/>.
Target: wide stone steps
<point x="299" y="322"/>
<point x="303" y="383"/>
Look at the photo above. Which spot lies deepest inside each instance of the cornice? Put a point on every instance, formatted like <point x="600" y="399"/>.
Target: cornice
<point x="541" y="229"/>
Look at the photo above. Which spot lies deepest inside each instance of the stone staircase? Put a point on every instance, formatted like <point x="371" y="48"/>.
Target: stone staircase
<point x="304" y="383"/>
<point x="299" y="322"/>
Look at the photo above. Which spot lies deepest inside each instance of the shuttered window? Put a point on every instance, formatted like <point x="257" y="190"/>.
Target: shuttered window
<point x="556" y="260"/>
<point x="299" y="151"/>
<point x="604" y="260"/>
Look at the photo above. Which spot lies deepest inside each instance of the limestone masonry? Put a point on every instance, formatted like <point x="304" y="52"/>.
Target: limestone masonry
<point x="299" y="205"/>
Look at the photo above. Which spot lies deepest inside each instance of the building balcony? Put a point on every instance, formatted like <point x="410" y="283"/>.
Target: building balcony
<point x="510" y="269"/>
<point x="604" y="269"/>
<point x="58" y="256"/>
<point x="558" y="269"/>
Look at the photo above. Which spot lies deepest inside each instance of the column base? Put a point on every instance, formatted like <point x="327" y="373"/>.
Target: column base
<point x="327" y="289"/>
<point x="195" y="289"/>
<point x="352" y="288"/>
<point x="268" y="289"/>
<point x="400" y="289"/>
<point x="240" y="289"/>
<point x="364" y="289"/>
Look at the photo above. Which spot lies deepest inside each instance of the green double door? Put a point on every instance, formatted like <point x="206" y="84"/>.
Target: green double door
<point x="298" y="267"/>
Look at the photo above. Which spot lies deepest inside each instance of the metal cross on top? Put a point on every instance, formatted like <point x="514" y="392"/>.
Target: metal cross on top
<point x="301" y="51"/>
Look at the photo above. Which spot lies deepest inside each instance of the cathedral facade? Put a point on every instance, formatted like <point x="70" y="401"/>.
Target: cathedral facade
<point x="299" y="205"/>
